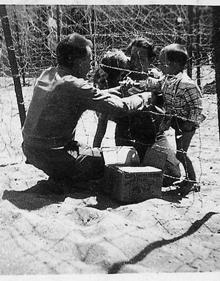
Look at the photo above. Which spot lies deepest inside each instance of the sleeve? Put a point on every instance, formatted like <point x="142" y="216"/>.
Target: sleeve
<point x="137" y="101"/>
<point x="104" y="101"/>
<point x="155" y="73"/>
<point x="116" y="106"/>
<point x="152" y="84"/>
<point x="193" y="98"/>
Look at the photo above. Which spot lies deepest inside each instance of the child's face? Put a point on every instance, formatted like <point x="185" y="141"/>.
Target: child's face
<point x="167" y="67"/>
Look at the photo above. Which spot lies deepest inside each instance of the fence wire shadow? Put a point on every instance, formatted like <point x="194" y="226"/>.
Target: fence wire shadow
<point x="115" y="268"/>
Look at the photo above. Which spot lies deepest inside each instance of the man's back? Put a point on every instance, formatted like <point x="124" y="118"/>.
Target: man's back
<point x="54" y="110"/>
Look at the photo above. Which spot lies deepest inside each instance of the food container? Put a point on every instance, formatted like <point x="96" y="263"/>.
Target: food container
<point x="133" y="184"/>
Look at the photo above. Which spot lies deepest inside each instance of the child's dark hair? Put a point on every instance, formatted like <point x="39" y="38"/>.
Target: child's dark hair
<point x="108" y="75"/>
<point x="72" y="47"/>
<point x="176" y="53"/>
<point x="115" y="59"/>
<point x="142" y="43"/>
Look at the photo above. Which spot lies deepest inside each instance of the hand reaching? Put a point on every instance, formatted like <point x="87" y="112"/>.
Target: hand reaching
<point x="130" y="87"/>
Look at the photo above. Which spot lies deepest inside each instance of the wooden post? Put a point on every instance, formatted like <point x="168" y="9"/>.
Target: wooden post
<point x="179" y="26"/>
<point x="58" y="23"/>
<point x="216" y="46"/>
<point x="94" y="33"/>
<point x="13" y="62"/>
<point x="198" y="59"/>
<point x="92" y="28"/>
<point x="20" y="53"/>
<point x="189" y="40"/>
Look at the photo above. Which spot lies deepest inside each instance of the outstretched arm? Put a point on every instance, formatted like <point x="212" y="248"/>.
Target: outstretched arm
<point x="130" y="87"/>
<point x="104" y="101"/>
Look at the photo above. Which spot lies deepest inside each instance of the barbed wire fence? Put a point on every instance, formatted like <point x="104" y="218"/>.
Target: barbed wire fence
<point x="36" y="30"/>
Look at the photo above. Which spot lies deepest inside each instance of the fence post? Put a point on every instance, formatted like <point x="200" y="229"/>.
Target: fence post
<point x="20" y="53"/>
<point x="189" y="40"/>
<point x="216" y="46"/>
<point x="58" y="23"/>
<point x="198" y="60"/>
<point x="13" y="62"/>
<point x="179" y="26"/>
<point x="94" y="32"/>
<point x="92" y="28"/>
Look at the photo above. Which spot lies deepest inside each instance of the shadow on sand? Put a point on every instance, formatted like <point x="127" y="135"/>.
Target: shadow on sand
<point x="45" y="193"/>
<point x="115" y="268"/>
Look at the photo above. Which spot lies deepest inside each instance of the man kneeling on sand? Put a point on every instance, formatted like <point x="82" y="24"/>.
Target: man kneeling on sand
<point x="61" y="95"/>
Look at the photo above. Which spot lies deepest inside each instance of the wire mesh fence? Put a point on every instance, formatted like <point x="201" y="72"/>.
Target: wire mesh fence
<point x="36" y="30"/>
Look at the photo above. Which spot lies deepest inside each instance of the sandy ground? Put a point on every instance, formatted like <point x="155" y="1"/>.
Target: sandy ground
<point x="87" y="232"/>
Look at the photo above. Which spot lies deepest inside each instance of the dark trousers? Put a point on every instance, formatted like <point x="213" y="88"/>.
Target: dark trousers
<point x="182" y="145"/>
<point x="184" y="131"/>
<point x="77" y="164"/>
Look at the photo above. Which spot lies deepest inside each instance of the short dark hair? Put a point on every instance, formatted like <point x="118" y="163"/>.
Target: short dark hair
<point x="114" y="58"/>
<point x="74" y="46"/>
<point x="107" y="75"/>
<point x="176" y="53"/>
<point x="142" y="43"/>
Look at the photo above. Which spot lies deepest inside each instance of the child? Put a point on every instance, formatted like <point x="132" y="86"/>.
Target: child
<point x="183" y="106"/>
<point x="108" y="76"/>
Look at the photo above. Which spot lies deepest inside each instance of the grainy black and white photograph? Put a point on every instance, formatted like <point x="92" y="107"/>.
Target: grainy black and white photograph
<point x="109" y="139"/>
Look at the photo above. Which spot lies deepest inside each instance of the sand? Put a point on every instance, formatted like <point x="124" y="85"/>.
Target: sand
<point x="86" y="232"/>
